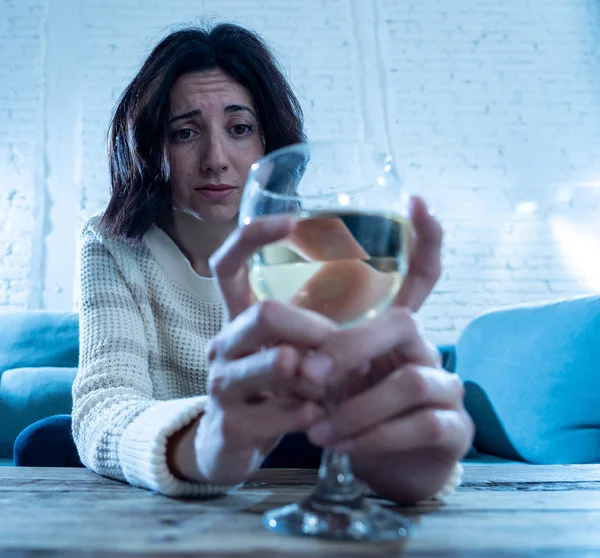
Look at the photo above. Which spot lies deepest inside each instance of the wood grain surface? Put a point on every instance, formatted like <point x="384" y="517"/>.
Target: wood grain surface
<point x="499" y="511"/>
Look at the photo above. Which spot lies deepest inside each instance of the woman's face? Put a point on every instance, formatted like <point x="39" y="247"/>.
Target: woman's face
<point x="214" y="138"/>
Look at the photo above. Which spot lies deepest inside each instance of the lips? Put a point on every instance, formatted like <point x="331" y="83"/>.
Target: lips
<point x="216" y="190"/>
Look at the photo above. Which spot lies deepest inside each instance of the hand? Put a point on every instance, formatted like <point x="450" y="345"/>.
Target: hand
<point x="255" y="392"/>
<point x="407" y="429"/>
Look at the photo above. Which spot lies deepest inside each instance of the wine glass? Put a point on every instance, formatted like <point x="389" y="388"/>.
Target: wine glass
<point x="346" y="260"/>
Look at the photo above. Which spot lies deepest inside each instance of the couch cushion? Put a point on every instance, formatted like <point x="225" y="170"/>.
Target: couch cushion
<point x="28" y="395"/>
<point x="532" y="379"/>
<point x="38" y="338"/>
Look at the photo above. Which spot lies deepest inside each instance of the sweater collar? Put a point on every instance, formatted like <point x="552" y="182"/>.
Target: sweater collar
<point x="178" y="267"/>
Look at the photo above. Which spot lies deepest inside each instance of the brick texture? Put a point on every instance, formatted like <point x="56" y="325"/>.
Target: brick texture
<point x="491" y="108"/>
<point x="22" y="48"/>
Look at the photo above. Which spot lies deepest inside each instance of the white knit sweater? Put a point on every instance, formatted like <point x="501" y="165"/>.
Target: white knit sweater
<point x="145" y="320"/>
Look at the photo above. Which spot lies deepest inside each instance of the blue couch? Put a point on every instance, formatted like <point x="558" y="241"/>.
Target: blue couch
<point x="532" y="378"/>
<point x="38" y="362"/>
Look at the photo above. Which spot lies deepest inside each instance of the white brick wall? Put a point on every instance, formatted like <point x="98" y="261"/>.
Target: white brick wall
<point x="22" y="164"/>
<point x="489" y="103"/>
<point x="485" y="103"/>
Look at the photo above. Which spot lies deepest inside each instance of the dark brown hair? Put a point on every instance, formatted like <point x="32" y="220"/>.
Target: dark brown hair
<point x="139" y="168"/>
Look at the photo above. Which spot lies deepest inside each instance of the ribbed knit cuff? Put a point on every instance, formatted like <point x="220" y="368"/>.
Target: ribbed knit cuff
<point x="143" y="448"/>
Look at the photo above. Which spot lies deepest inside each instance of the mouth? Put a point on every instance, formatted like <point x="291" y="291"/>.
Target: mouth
<point x="216" y="190"/>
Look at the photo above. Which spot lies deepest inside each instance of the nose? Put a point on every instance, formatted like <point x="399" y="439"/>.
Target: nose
<point x="214" y="158"/>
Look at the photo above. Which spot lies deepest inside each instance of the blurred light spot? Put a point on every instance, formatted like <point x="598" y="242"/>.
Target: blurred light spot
<point x="381" y="181"/>
<point x="344" y="199"/>
<point x="527" y="207"/>
<point x="564" y="195"/>
<point x="247" y="220"/>
<point x="578" y="249"/>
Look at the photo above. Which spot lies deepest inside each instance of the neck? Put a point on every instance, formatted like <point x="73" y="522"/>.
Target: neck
<point x="198" y="240"/>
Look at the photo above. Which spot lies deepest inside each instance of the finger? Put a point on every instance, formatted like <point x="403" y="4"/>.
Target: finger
<point x="444" y="429"/>
<point x="268" y="323"/>
<point x="244" y="380"/>
<point x="383" y="364"/>
<point x="229" y="263"/>
<point x="251" y="426"/>
<point x="265" y="373"/>
<point x="400" y="393"/>
<point x="435" y="354"/>
<point x="424" y="268"/>
<point x="392" y="330"/>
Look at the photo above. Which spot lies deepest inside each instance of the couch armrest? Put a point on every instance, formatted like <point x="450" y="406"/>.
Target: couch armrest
<point x="30" y="339"/>
<point x="448" y="357"/>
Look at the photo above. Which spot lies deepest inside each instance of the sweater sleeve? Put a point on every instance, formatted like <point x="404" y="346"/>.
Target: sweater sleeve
<point x="119" y="429"/>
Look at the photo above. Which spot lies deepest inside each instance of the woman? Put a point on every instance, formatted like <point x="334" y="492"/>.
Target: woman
<point x="185" y="386"/>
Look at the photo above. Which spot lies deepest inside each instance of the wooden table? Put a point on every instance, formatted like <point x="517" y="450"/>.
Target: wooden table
<point x="501" y="510"/>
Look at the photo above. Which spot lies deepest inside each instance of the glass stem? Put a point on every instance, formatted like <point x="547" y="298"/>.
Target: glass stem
<point x="336" y="482"/>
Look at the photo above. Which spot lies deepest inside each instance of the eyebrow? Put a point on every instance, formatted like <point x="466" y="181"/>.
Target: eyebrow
<point x="228" y="110"/>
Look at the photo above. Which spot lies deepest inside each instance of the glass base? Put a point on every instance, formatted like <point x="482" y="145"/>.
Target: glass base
<point x="367" y="522"/>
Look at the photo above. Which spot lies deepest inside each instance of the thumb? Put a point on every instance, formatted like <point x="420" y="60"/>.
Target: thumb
<point x="425" y="257"/>
<point x="229" y="263"/>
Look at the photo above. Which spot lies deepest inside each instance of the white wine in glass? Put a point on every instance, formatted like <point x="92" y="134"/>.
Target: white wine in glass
<point x="346" y="260"/>
<point x="344" y="264"/>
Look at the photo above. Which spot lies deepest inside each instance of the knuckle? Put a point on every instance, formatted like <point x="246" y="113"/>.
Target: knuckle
<point x="400" y="314"/>
<point x="213" y="349"/>
<point x="215" y="386"/>
<point x="217" y="382"/>
<point x="306" y="415"/>
<point x="346" y="347"/>
<point x="284" y="362"/>
<point x="432" y="426"/>
<point x="435" y="353"/>
<point x="264" y="312"/>
<point x="458" y="386"/>
<point x="412" y="381"/>
<point x="469" y="426"/>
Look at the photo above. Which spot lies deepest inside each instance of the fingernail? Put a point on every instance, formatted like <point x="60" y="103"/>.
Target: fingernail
<point x="322" y="432"/>
<point x="317" y="367"/>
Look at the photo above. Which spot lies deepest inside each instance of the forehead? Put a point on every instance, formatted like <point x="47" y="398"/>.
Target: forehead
<point x="203" y="89"/>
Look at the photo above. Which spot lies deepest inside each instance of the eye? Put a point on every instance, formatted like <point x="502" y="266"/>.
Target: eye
<point x="183" y="134"/>
<point x="241" y="130"/>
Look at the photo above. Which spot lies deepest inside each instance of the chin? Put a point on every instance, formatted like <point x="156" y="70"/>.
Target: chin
<point x="217" y="214"/>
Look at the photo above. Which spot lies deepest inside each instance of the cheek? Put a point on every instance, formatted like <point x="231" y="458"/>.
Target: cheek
<point x="247" y="158"/>
<point x="181" y="165"/>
